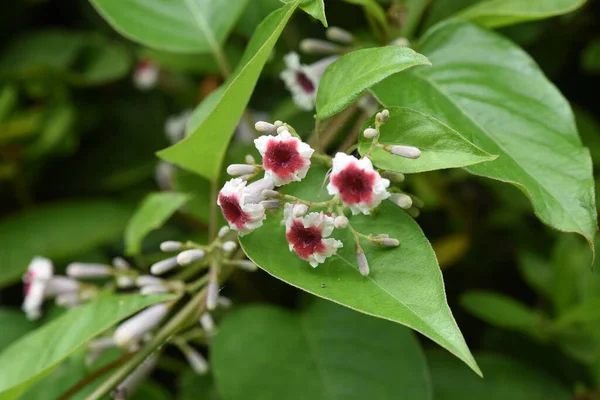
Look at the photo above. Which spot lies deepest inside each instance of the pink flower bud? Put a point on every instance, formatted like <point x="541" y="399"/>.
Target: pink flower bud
<point x="170" y="245"/>
<point x="240" y="169"/>
<point x="406" y="151"/>
<point x="163" y="266"/>
<point x="363" y="264"/>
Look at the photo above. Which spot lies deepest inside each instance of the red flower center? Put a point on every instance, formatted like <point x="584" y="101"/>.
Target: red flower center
<point x="232" y="211"/>
<point x="282" y="157"/>
<point x="305" y="82"/>
<point x="355" y="184"/>
<point x="306" y="241"/>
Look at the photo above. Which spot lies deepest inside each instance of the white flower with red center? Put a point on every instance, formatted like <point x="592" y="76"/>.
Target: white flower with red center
<point x="356" y="182"/>
<point x="240" y="204"/>
<point x="303" y="80"/>
<point x="307" y="236"/>
<point x="285" y="158"/>
<point x="39" y="272"/>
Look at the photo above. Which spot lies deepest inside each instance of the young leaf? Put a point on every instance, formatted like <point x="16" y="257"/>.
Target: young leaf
<point x="497" y="13"/>
<point x="29" y="358"/>
<point x="441" y="146"/>
<point x="353" y="73"/>
<point x="202" y="152"/>
<point x="151" y="214"/>
<point x="491" y="92"/>
<point x="297" y="356"/>
<point x="504" y="379"/>
<point x="405" y="284"/>
<point x="316" y="9"/>
<point x="57" y="231"/>
<point x="183" y="26"/>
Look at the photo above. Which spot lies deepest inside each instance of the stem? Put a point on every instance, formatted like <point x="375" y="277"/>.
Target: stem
<point x="333" y="128"/>
<point x="349" y="142"/>
<point x="212" y="225"/>
<point x="294" y="199"/>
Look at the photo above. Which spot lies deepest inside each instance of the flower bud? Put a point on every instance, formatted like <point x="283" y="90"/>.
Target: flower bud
<point x="383" y="116"/>
<point x="129" y="384"/>
<point x="247" y="265"/>
<point x="124" y="281"/>
<point x="363" y="264"/>
<point x="147" y="280"/>
<point x="370" y="133"/>
<point x="299" y="210"/>
<point x="207" y="323"/>
<point x="101" y="343"/>
<point x="153" y="289"/>
<point x="224" y="302"/>
<point x="68" y="299"/>
<point x="120" y="263"/>
<point x="402" y="42"/>
<point x="341" y="222"/>
<point x="189" y="256"/>
<point x="229" y="246"/>
<point x="393" y="176"/>
<point x="270" y="204"/>
<point x="60" y="284"/>
<point x="171" y="245"/>
<point x="223" y="231"/>
<point x="390" y="242"/>
<point x="88" y="270"/>
<point x="163" y="266"/>
<point x="413" y="212"/>
<point x="131" y="331"/>
<point x="339" y="35"/>
<point x="265" y="127"/>
<point x="212" y="295"/>
<point x="195" y="359"/>
<point x="281" y="128"/>
<point x="316" y="46"/>
<point x="405" y="151"/>
<point x="278" y="123"/>
<point x="240" y="169"/>
<point x="270" y="194"/>
<point x="401" y="200"/>
<point x="417" y="202"/>
<point x="249" y="159"/>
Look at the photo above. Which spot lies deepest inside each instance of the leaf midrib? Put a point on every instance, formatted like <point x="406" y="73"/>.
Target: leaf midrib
<point x="203" y="26"/>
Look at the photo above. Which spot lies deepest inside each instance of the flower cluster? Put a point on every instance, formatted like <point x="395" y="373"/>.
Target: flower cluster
<point x="354" y="184"/>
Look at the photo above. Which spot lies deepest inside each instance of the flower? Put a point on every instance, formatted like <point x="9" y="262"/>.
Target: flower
<point x="145" y="76"/>
<point x="240" y="204"/>
<point x="285" y="158"/>
<point x="306" y="235"/>
<point x="303" y="80"/>
<point x="39" y="272"/>
<point x="358" y="184"/>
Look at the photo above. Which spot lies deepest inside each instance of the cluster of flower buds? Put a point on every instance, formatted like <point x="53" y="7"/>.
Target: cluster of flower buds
<point x="353" y="183"/>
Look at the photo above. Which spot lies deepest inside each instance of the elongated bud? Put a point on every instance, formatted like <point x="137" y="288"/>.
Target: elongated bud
<point x="317" y="46"/>
<point x="341" y="222"/>
<point x="402" y="42"/>
<point x="265" y="127"/>
<point x="381" y="236"/>
<point x="390" y="242"/>
<point x="417" y="202"/>
<point x="270" y="194"/>
<point x="224" y="302"/>
<point x="132" y="330"/>
<point x="60" y="284"/>
<point x="189" y="256"/>
<point x="401" y="200"/>
<point x="249" y="159"/>
<point x="207" y="323"/>
<point x="171" y="245"/>
<point x="223" y="231"/>
<point x="68" y="299"/>
<point x="102" y="343"/>
<point x="278" y="123"/>
<point x="153" y="289"/>
<point x="393" y="176"/>
<point x="120" y="263"/>
<point x="383" y="116"/>
<point x="163" y="266"/>
<point x="363" y="264"/>
<point x="195" y="359"/>
<point x="405" y="151"/>
<point x="247" y="265"/>
<point x="370" y="133"/>
<point x="299" y="210"/>
<point x="146" y="280"/>
<point x="240" y="169"/>
<point x="413" y="212"/>
<point x="229" y="246"/>
<point x="124" y="281"/>
<point x="270" y="204"/>
<point x="339" y="35"/>
<point x="127" y="387"/>
<point x="254" y="190"/>
<point x="88" y="270"/>
<point x="212" y="295"/>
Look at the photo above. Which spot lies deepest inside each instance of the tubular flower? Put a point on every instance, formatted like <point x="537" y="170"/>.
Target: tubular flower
<point x="285" y="157"/>
<point x="240" y="204"/>
<point x="303" y="80"/>
<point x="358" y="184"/>
<point x="307" y="235"/>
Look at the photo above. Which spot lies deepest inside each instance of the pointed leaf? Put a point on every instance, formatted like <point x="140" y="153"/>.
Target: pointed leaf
<point x="491" y="92"/>
<point x="325" y="352"/>
<point x="202" y="152"/>
<point x="353" y="73"/>
<point x="441" y="146"/>
<point x="316" y="9"/>
<point x="405" y="284"/>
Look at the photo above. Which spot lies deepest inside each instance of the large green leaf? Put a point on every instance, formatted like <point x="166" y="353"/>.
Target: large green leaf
<point x="497" y="13"/>
<point x="405" y="284"/>
<point x="184" y="26"/>
<point x="202" y="152"/>
<point x="202" y="63"/>
<point x="35" y="354"/>
<point x="325" y="352"/>
<point x="504" y="379"/>
<point x="14" y="325"/>
<point x="441" y="146"/>
<point x="316" y="9"/>
<point x="151" y="214"/>
<point x="491" y="92"/>
<point x="353" y="73"/>
<point x="57" y="231"/>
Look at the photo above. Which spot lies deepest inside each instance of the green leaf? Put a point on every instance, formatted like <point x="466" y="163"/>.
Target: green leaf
<point x="183" y="26"/>
<point x="405" y="284"/>
<point x="151" y="214"/>
<point x="374" y="13"/>
<point x="590" y="59"/>
<point x="58" y="231"/>
<point x="203" y="110"/>
<point x="537" y="272"/>
<point x="14" y="325"/>
<point x="254" y="13"/>
<point x="501" y="311"/>
<point x="441" y="146"/>
<point x="414" y="13"/>
<point x="350" y="75"/>
<point x="204" y="63"/>
<point x="582" y="313"/>
<point x="316" y="9"/>
<point x="491" y="92"/>
<point x="29" y="358"/>
<point x="198" y="189"/>
<point x="196" y="387"/>
<point x="324" y="352"/>
<point x="497" y="13"/>
<point x="504" y="379"/>
<point x="202" y="152"/>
